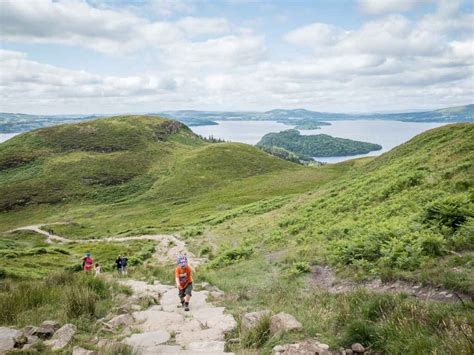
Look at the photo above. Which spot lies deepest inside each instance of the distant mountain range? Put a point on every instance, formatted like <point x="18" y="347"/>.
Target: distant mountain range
<point x="452" y="114"/>
<point x="17" y="122"/>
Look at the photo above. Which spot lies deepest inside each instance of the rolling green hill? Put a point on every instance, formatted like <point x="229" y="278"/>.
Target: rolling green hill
<point x="319" y="145"/>
<point x="154" y="170"/>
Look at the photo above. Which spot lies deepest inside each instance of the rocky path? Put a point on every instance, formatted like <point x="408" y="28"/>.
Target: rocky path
<point x="166" y="328"/>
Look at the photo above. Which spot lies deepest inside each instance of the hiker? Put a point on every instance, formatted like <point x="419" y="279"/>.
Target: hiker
<point x="184" y="281"/>
<point x="87" y="262"/>
<point x="118" y="263"/>
<point x="97" y="269"/>
<point x="124" y="265"/>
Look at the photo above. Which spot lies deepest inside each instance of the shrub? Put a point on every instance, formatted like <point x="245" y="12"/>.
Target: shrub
<point x="79" y="301"/>
<point x="432" y="245"/>
<point x="300" y="267"/>
<point x="194" y="231"/>
<point x="205" y="250"/>
<point x="231" y="256"/>
<point x="451" y="211"/>
<point x="257" y="336"/>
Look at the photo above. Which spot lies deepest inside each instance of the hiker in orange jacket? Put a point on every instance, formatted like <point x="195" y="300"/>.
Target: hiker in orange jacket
<point x="184" y="281"/>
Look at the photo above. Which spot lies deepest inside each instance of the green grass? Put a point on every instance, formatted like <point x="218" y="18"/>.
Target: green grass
<point x="394" y="324"/>
<point x="65" y="297"/>
<point x="26" y="255"/>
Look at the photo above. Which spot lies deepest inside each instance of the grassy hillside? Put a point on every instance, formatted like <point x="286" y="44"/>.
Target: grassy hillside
<point x="154" y="171"/>
<point x="407" y="214"/>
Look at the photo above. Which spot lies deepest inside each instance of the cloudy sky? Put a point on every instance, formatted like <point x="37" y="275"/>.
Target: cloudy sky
<point x="104" y="56"/>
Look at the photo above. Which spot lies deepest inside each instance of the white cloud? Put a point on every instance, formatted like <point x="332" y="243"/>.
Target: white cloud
<point x="377" y="7"/>
<point x="77" y="23"/>
<point x="315" y="34"/>
<point x="392" y="35"/>
<point x="389" y="63"/>
<point x="196" y="26"/>
<point x="222" y="52"/>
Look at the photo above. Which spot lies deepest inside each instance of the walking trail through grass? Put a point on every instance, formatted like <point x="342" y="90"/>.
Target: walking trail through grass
<point x="165" y="328"/>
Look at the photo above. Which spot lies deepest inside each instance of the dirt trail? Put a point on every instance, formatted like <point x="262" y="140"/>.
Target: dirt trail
<point x="324" y="278"/>
<point x="166" y="328"/>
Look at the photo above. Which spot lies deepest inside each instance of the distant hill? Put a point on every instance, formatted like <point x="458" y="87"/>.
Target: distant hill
<point x="301" y="118"/>
<point x="319" y="145"/>
<point x="18" y="122"/>
<point x="451" y="114"/>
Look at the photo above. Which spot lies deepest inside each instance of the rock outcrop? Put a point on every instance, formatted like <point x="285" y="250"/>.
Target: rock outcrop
<point x="283" y="322"/>
<point x="62" y="337"/>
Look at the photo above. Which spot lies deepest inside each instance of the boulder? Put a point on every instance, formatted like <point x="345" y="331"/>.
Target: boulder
<point x="303" y="348"/>
<point x="283" y="322"/>
<point x="349" y="352"/>
<point x="81" y="351"/>
<point x="250" y="320"/>
<point x="123" y="319"/>
<point x="51" y="324"/>
<point x="29" y="330"/>
<point x="62" y="337"/>
<point x="7" y="338"/>
<point x="358" y="348"/>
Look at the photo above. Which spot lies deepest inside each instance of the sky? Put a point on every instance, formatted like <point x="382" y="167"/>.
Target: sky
<point x="104" y="56"/>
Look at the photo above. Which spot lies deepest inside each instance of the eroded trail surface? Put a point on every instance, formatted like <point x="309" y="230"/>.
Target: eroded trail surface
<point x="324" y="278"/>
<point x="167" y="329"/>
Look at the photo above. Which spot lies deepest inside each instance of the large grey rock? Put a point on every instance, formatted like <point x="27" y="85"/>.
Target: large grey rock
<point x="250" y="320"/>
<point x="283" y="322"/>
<point x="123" y="319"/>
<point x="7" y="336"/>
<point x="358" y="348"/>
<point x="62" y="337"/>
<point x="81" y="351"/>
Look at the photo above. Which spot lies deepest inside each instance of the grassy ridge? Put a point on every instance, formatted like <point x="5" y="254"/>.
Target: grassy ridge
<point x="158" y="174"/>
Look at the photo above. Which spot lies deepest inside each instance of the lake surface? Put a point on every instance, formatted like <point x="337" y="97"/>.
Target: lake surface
<point x="6" y="136"/>
<point x="249" y="132"/>
<point x="388" y="134"/>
